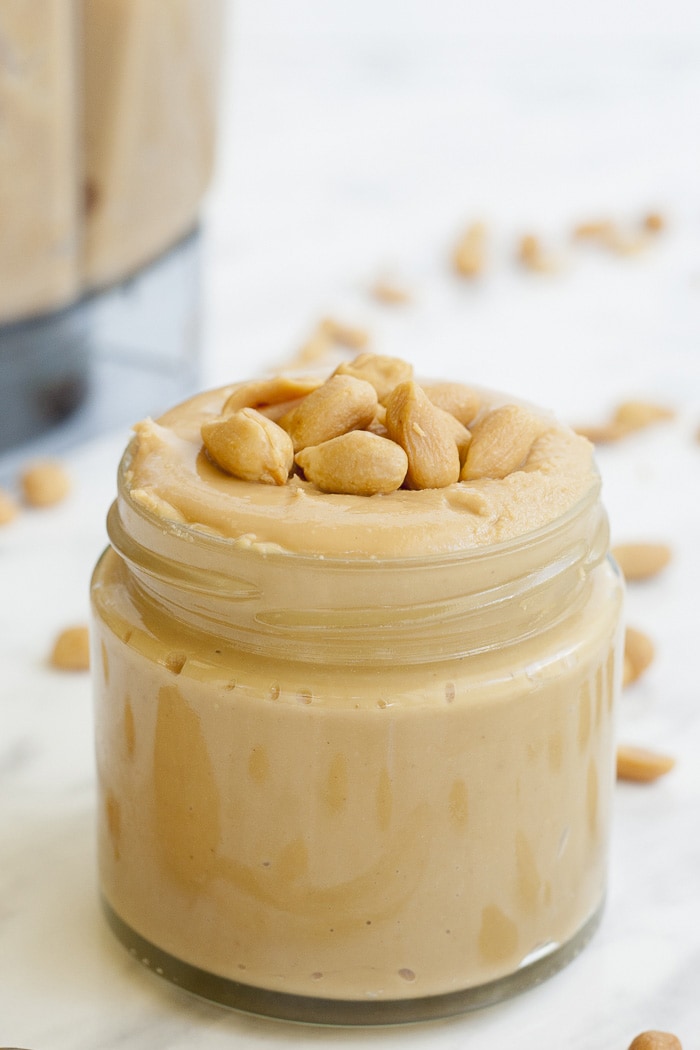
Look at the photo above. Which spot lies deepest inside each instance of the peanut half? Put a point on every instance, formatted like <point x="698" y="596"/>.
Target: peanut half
<point x="8" y="507"/>
<point x="259" y="393"/>
<point x="655" y="1041"/>
<point x="386" y="291"/>
<point x="459" y="400"/>
<point x="641" y="561"/>
<point x="351" y="336"/>
<point x="640" y="764"/>
<point x="249" y="446"/>
<point x="426" y="436"/>
<point x="627" y="417"/>
<point x="383" y="372"/>
<point x="635" y="415"/>
<point x="500" y="443"/>
<point x="45" y="483"/>
<point x="71" y="650"/>
<point x="639" y="653"/>
<point x="532" y="255"/>
<point x="341" y="404"/>
<point x="358" y="463"/>
<point x="469" y="256"/>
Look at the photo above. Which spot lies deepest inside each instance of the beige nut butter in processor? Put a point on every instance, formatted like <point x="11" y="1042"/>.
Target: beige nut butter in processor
<point x="355" y="754"/>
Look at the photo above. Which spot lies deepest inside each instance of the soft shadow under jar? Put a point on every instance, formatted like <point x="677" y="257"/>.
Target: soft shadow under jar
<point x="354" y="790"/>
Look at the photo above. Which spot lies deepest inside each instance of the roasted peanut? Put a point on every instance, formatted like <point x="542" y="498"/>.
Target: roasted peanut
<point x="260" y="393"/>
<point x="386" y="291"/>
<point x="654" y="222"/>
<point x="358" y="463"/>
<point x="469" y="256"/>
<point x="8" y="507"/>
<point x="351" y="336"/>
<point x="71" y="650"/>
<point x="640" y="561"/>
<point x="383" y="372"/>
<point x="460" y="434"/>
<point x="426" y="436"/>
<point x="459" y="400"/>
<point x="531" y="255"/>
<point x="655" y="1041"/>
<point x="249" y="446"/>
<point x="593" y="229"/>
<point x="639" y="653"/>
<point x="45" y="483"/>
<point x="500" y="442"/>
<point x="634" y="415"/>
<point x="638" y="763"/>
<point x="602" y="433"/>
<point x="341" y="404"/>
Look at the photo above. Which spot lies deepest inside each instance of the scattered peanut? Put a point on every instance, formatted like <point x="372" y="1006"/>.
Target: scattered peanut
<point x="71" y="650"/>
<point x="8" y="507"/>
<point x="640" y="764"/>
<point x="531" y="255"/>
<point x="358" y="463"/>
<point x="459" y="400"/>
<point x="634" y="415"/>
<point x="602" y="433"/>
<point x="500" y="442"/>
<point x="626" y="242"/>
<point x="469" y="256"/>
<point x="386" y="291"/>
<point x="655" y="1041"/>
<point x="350" y="336"/>
<point x="45" y="483"/>
<point x="641" y="561"/>
<point x="340" y="404"/>
<point x="593" y="229"/>
<point x="654" y="222"/>
<point x="414" y="423"/>
<point x="638" y="655"/>
<point x="628" y="417"/>
<point x="383" y="372"/>
<point x="249" y="446"/>
<point x="616" y="237"/>
<point x="318" y="346"/>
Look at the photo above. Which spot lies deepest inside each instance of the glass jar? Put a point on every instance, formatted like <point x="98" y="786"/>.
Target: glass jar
<point x="354" y="791"/>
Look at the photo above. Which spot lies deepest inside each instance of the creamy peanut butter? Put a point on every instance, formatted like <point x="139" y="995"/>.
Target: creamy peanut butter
<point x="353" y="748"/>
<point x="170" y="475"/>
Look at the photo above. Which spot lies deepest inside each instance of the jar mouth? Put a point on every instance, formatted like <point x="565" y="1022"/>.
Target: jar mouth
<point x="195" y="533"/>
<point x="447" y="605"/>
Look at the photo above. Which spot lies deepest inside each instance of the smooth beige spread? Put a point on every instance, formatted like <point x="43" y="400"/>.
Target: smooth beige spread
<point x="171" y="476"/>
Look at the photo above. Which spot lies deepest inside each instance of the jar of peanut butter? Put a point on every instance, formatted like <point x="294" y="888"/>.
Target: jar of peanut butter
<point x="355" y="752"/>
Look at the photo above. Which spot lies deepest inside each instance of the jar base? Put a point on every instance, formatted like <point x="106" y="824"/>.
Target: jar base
<point x="348" y="1012"/>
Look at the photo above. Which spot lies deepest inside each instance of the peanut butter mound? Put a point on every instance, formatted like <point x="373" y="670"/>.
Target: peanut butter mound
<point x="370" y="463"/>
<point x="377" y="395"/>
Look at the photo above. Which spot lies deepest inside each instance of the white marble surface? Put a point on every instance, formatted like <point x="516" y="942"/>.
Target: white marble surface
<point x="356" y="139"/>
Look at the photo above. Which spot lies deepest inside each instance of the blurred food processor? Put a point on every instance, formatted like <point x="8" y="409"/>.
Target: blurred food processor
<point x="107" y="141"/>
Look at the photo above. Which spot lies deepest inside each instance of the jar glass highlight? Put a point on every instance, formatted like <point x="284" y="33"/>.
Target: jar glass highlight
<point x="354" y="791"/>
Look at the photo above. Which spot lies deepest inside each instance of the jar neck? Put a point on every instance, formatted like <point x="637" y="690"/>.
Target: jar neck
<point x="362" y="611"/>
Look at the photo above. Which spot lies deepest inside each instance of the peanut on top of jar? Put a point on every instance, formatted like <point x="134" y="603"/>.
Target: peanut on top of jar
<point x="389" y="463"/>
